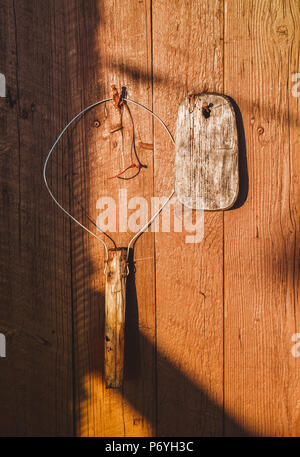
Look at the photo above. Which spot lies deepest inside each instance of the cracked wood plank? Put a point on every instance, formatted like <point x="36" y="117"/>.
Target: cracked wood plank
<point x="206" y="162"/>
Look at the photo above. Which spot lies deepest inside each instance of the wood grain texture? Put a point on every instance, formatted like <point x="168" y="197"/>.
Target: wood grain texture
<point x="110" y="43"/>
<point x="187" y="58"/>
<point x="115" y="309"/>
<point x="294" y="199"/>
<point x="260" y="269"/>
<point x="206" y="153"/>
<point x="35" y="310"/>
<point x="209" y="327"/>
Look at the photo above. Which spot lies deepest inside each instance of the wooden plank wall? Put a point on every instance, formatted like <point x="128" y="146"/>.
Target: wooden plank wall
<point x="210" y="325"/>
<point x="35" y="311"/>
<point x="260" y="268"/>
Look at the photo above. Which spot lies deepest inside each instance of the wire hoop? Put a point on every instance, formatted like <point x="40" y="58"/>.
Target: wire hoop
<point x="144" y="228"/>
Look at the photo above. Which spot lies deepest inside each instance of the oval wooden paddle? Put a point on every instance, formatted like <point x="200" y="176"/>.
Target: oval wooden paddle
<point x="206" y="148"/>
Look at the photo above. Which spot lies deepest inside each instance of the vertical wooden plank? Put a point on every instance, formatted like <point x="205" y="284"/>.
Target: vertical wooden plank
<point x="261" y="388"/>
<point x="294" y="194"/>
<point x="109" y="43"/>
<point x="187" y="58"/>
<point x="35" y="311"/>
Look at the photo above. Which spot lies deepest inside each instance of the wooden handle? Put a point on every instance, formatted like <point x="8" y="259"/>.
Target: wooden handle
<point x="115" y="306"/>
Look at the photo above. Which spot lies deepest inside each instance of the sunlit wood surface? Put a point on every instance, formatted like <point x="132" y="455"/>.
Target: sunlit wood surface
<point x="209" y="326"/>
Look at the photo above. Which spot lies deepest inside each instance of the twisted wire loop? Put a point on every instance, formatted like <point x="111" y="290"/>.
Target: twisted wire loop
<point x="145" y="227"/>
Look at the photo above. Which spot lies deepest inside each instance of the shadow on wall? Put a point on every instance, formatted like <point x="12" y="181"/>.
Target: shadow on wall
<point x="181" y="415"/>
<point x="136" y="74"/>
<point x="164" y="80"/>
<point x="243" y="167"/>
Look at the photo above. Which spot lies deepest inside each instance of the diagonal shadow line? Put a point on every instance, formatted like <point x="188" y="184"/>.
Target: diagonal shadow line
<point x="189" y="410"/>
<point x="277" y="113"/>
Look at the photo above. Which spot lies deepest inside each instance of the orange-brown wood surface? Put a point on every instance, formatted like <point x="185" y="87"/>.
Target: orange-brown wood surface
<point x="35" y="311"/>
<point x="209" y="326"/>
<point x="261" y="378"/>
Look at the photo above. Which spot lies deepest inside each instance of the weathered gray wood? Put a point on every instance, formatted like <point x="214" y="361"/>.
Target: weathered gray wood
<point x="115" y="305"/>
<point x="206" y="162"/>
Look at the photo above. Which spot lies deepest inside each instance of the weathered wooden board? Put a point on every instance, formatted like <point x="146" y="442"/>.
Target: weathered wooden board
<point x="187" y="58"/>
<point x="206" y="161"/>
<point x="261" y="255"/>
<point x="105" y="51"/>
<point x="293" y="283"/>
<point x="35" y="283"/>
<point x="115" y="308"/>
<point x="220" y="370"/>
